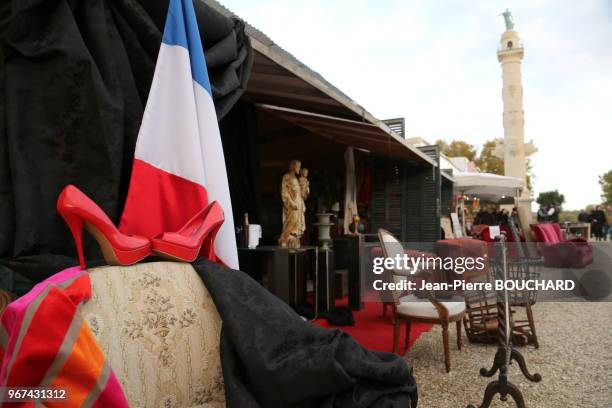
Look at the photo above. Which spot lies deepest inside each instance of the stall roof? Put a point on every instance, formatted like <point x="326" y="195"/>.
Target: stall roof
<point x="346" y="131"/>
<point x="486" y="184"/>
<point x="278" y="78"/>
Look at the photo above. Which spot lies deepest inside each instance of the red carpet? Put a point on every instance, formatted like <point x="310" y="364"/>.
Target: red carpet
<point x="373" y="331"/>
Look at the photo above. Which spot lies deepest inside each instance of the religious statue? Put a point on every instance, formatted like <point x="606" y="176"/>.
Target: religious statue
<point x="305" y="192"/>
<point x="508" y="20"/>
<point x="293" y="207"/>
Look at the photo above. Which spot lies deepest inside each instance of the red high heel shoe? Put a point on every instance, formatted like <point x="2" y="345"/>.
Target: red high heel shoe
<point x="197" y="236"/>
<point x="80" y="211"/>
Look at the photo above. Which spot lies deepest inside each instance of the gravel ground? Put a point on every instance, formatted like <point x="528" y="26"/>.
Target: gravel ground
<point x="574" y="359"/>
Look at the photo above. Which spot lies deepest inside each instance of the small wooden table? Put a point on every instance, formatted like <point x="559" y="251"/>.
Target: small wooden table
<point x="579" y="229"/>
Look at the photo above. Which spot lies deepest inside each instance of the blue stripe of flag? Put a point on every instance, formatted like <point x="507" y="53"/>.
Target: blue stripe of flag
<point x="182" y="29"/>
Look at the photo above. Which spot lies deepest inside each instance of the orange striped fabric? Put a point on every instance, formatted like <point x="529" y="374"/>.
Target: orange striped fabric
<point x="44" y="342"/>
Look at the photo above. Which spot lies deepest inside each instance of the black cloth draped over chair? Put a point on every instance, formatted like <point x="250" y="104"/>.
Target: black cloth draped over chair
<point x="272" y="358"/>
<point x="74" y="77"/>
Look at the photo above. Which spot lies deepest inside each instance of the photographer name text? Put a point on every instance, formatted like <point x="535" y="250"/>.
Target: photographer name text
<point x="460" y="285"/>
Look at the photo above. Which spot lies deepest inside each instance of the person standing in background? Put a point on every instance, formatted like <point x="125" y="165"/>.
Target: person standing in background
<point x="553" y="214"/>
<point x="502" y="217"/>
<point x="583" y="216"/>
<point x="598" y="221"/>
<point x="608" y="232"/>
<point x="542" y="213"/>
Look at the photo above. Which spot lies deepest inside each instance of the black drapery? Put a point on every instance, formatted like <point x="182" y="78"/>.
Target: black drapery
<point x="241" y="150"/>
<point x="75" y="79"/>
<point x="272" y="358"/>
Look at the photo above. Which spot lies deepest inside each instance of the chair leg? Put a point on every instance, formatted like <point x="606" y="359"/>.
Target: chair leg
<point x="446" y="347"/>
<point x="396" y="334"/>
<point x="407" y="340"/>
<point x="459" y="339"/>
<point x="532" y="326"/>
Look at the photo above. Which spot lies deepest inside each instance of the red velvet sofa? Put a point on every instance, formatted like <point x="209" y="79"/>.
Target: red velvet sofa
<point x="559" y="252"/>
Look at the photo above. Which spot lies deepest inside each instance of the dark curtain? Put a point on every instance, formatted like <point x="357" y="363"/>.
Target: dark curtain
<point x="272" y="358"/>
<point x="75" y="79"/>
<point x="239" y="134"/>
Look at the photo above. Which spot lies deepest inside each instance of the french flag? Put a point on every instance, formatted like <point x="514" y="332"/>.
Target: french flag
<point x="178" y="164"/>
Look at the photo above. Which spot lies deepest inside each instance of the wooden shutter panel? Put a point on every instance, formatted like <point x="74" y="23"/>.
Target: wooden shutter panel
<point x="386" y="206"/>
<point x="430" y="223"/>
<point x="378" y="211"/>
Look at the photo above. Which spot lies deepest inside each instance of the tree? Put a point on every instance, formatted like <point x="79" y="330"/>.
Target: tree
<point x="605" y="181"/>
<point x="457" y="148"/>
<point x="549" y="198"/>
<point x="487" y="161"/>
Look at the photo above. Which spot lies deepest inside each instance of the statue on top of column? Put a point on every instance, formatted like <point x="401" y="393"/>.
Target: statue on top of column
<point x="508" y="20"/>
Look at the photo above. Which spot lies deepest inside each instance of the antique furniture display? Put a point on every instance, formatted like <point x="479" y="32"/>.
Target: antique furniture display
<point x="522" y="268"/>
<point x="410" y="308"/>
<point x="481" y="323"/>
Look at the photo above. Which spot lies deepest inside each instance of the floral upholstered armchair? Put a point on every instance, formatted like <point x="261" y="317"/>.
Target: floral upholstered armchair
<point x="160" y="330"/>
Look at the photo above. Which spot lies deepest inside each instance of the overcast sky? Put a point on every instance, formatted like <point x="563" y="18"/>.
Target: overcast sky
<point x="434" y="63"/>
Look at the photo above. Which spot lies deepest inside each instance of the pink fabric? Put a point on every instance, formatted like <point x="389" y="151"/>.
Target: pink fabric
<point x="546" y="233"/>
<point x="557" y="230"/>
<point x="12" y="317"/>
<point x="71" y="285"/>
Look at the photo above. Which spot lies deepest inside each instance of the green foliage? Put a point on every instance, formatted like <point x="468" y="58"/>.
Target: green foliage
<point x="605" y="181"/>
<point x="549" y="198"/>
<point x="457" y="148"/>
<point x="487" y="161"/>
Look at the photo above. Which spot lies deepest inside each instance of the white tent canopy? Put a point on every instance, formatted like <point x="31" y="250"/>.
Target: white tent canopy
<point x="486" y="185"/>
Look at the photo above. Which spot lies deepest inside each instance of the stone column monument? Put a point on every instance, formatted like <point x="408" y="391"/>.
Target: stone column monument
<point x="514" y="150"/>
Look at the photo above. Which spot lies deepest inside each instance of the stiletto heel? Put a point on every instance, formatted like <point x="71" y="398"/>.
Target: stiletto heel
<point x="196" y="237"/>
<point x="208" y="246"/>
<point x="79" y="212"/>
<point x="76" y="228"/>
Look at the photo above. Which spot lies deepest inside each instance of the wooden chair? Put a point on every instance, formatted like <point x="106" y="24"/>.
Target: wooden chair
<point x="480" y="320"/>
<point x="523" y="268"/>
<point x="410" y="308"/>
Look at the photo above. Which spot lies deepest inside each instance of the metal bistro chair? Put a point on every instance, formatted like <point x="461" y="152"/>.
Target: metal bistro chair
<point x="410" y="308"/>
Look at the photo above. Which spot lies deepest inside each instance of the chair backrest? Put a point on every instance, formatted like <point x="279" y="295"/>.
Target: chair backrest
<point x="516" y="247"/>
<point x="557" y="230"/>
<point x="546" y="233"/>
<point x="160" y="330"/>
<point x="391" y="248"/>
